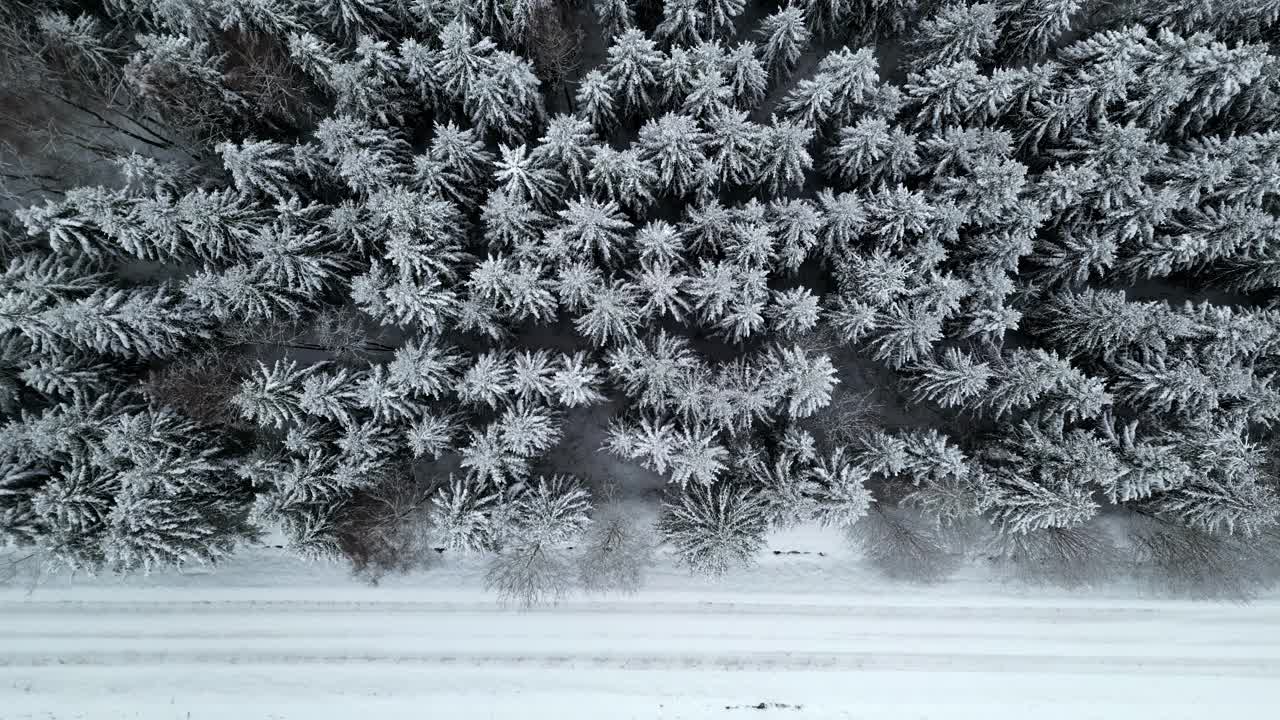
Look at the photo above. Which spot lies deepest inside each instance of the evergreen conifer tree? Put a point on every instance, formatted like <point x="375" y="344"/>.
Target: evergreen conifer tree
<point x="714" y="528"/>
<point x="785" y="35"/>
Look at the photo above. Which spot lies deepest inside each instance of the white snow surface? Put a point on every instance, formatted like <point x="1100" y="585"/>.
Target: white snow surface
<point x="807" y="636"/>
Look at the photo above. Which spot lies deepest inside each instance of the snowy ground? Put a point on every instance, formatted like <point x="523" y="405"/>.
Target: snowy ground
<point x="815" y="637"/>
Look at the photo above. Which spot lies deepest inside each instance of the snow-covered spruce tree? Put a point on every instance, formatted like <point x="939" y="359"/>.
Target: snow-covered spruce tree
<point x="1228" y="492"/>
<point x="714" y="528"/>
<point x="632" y="69"/>
<point x="1030" y="28"/>
<point x="784" y="35"/>
<point x="1040" y="477"/>
<point x="785" y="481"/>
<point x="846" y="84"/>
<point x="872" y="152"/>
<point x="107" y="485"/>
<point x="258" y="166"/>
<point x="595" y="100"/>
<point x="1041" y="239"/>
<point x="615" y="16"/>
<point x="684" y="22"/>
<point x="785" y="156"/>
<point x="674" y="144"/>
<point x="462" y="514"/>
<point x="1238" y="18"/>
<point x="746" y="74"/>
<point x="956" y="31"/>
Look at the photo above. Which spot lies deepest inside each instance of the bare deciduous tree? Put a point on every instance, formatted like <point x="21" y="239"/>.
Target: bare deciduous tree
<point x="1071" y="557"/>
<point x="903" y="545"/>
<point x="616" y="551"/>
<point x="555" y="45"/>
<point x="529" y="573"/>
<point x="201" y="386"/>
<point x="532" y="565"/>
<point x="384" y="529"/>
<point x="259" y="68"/>
<point x="1178" y="560"/>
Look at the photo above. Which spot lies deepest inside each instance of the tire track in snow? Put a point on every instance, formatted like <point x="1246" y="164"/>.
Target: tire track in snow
<point x="1174" y="640"/>
<point x="1230" y="614"/>
<point x="851" y="661"/>
<point x="1097" y="638"/>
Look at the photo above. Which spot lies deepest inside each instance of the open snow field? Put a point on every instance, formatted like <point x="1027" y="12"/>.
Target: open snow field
<point x="810" y="637"/>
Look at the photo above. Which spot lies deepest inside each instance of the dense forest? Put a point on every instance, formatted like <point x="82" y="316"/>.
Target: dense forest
<point x="988" y="282"/>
